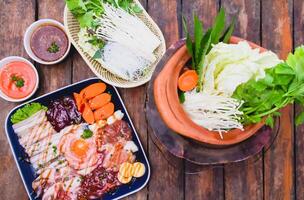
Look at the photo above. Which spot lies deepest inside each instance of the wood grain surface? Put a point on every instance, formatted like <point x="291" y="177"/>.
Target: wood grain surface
<point x="298" y="29"/>
<point x="279" y="170"/>
<point x="278" y="173"/>
<point x="11" y="41"/>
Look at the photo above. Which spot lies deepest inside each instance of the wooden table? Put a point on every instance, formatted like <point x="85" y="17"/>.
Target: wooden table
<point x="275" y="24"/>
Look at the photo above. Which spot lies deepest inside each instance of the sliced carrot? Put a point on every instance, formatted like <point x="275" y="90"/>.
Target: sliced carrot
<point x="93" y="90"/>
<point x="188" y="80"/>
<point x="99" y="101"/>
<point x="104" y="112"/>
<point x="88" y="114"/>
<point x="78" y="100"/>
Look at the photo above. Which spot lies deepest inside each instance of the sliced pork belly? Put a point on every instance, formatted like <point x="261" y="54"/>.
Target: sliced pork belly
<point x="48" y="142"/>
<point x="22" y="127"/>
<point x="50" y="152"/>
<point x="60" y="162"/>
<point x="67" y="190"/>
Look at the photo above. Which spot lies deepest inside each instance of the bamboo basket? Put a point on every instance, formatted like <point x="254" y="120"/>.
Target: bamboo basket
<point x="72" y="28"/>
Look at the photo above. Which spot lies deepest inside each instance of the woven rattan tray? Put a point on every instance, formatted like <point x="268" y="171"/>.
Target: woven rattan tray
<point x="72" y="29"/>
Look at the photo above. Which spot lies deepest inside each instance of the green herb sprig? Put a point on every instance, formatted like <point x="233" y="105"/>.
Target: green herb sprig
<point x="19" y="81"/>
<point x="282" y="85"/>
<point x="87" y="133"/>
<point x="54" y="48"/>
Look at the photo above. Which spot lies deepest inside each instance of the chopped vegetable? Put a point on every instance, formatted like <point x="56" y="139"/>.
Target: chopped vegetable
<point x="104" y="112"/>
<point x="99" y="101"/>
<point x="79" y="101"/>
<point x="188" y="80"/>
<point x="26" y="111"/>
<point x="93" y="90"/>
<point x="282" y="85"/>
<point x="88" y="114"/>
<point x="87" y="133"/>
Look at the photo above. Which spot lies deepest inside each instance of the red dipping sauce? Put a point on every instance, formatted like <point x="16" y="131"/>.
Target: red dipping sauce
<point x="17" y="79"/>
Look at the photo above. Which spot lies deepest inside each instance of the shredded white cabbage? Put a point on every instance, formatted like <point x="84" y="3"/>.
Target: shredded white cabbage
<point x="215" y="113"/>
<point x="229" y="65"/>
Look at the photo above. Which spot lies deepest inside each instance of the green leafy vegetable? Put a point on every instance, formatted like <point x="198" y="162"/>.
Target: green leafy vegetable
<point x="189" y="43"/>
<point x="202" y="60"/>
<point x="86" y="11"/>
<point x="87" y="133"/>
<point x="282" y="85"/>
<point x="27" y="111"/>
<point x="54" y="48"/>
<point x="225" y="38"/>
<point x="96" y="42"/>
<point x="218" y="27"/>
<point x="198" y="36"/>
<point x="200" y="46"/>
<point x="86" y="20"/>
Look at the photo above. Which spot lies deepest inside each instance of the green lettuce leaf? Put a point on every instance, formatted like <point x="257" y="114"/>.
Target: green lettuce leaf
<point x="26" y="111"/>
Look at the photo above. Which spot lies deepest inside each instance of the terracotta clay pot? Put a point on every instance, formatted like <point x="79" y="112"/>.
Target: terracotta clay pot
<point x="173" y="114"/>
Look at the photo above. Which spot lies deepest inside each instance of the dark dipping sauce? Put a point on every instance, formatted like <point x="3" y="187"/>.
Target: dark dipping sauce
<point x="62" y="113"/>
<point x="97" y="183"/>
<point x="49" y="43"/>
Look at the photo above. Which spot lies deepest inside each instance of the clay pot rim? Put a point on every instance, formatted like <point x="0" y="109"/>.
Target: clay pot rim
<point x="175" y="117"/>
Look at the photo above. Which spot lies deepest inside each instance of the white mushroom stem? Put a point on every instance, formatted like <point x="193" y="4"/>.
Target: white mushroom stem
<point x="215" y="113"/>
<point x="116" y="25"/>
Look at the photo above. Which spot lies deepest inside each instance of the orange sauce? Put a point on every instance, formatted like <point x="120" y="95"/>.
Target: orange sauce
<point x="17" y="71"/>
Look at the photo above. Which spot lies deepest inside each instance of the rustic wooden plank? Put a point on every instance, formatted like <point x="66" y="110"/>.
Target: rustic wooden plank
<point x="59" y="75"/>
<point x="247" y="15"/>
<point x="205" y="9"/>
<point x="299" y="139"/>
<point x="15" y="16"/>
<point x="208" y="183"/>
<point x="167" y="181"/>
<point x="278" y="170"/>
<point x="244" y="179"/>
